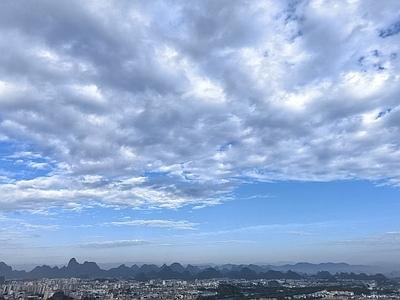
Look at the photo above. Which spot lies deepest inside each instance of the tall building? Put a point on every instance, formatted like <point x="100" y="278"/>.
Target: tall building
<point x="2" y="279"/>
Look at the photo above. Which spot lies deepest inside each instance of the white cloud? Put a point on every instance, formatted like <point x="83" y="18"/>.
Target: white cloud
<point x="211" y="243"/>
<point x="155" y="105"/>
<point x="114" y="244"/>
<point x="40" y="227"/>
<point x="378" y="247"/>
<point x="157" y="223"/>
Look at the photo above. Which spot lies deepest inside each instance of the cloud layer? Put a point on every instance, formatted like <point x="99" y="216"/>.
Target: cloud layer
<point x="166" y="104"/>
<point x="156" y="223"/>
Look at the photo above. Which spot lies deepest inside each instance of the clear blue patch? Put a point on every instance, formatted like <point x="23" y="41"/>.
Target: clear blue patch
<point x="155" y="174"/>
<point x="22" y="167"/>
<point x="391" y="30"/>
<point x="382" y="113"/>
<point x="226" y="146"/>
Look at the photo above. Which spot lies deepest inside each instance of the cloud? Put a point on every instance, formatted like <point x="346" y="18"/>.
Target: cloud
<point x="300" y="229"/>
<point x="368" y="247"/>
<point x="385" y="241"/>
<point x="152" y="105"/>
<point x="211" y="243"/>
<point x="114" y="244"/>
<point x="40" y="227"/>
<point x="157" y="223"/>
<point x="301" y="233"/>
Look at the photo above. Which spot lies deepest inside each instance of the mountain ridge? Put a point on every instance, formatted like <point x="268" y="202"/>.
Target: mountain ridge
<point x="191" y="272"/>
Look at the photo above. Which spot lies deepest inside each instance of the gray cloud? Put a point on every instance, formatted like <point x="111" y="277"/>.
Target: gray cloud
<point x="158" y="105"/>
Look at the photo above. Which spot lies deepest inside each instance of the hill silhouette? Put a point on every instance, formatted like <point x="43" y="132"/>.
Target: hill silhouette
<point x="177" y="271"/>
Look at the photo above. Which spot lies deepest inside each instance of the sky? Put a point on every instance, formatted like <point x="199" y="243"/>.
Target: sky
<point x="199" y="131"/>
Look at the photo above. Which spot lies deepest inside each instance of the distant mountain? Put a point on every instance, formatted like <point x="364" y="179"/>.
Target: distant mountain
<point x="73" y="263"/>
<point x="362" y="276"/>
<point x="325" y="275"/>
<point x="44" y="272"/>
<point x="8" y="272"/>
<point x="193" y="270"/>
<point x="177" y="267"/>
<point x="258" y="269"/>
<point x="5" y="270"/>
<point x="190" y="272"/>
<point x="272" y="274"/>
<point x="308" y="268"/>
<point x="209" y="273"/>
<point x="122" y="272"/>
<point x="148" y="268"/>
<point x="135" y="269"/>
<point x="244" y="273"/>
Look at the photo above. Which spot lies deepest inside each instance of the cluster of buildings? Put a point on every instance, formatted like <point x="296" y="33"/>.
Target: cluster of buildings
<point x="103" y="289"/>
<point x="43" y="289"/>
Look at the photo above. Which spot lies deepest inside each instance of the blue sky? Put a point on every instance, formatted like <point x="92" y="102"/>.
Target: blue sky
<point x="199" y="131"/>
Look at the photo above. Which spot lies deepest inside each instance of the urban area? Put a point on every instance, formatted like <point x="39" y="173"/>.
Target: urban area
<point x="218" y="288"/>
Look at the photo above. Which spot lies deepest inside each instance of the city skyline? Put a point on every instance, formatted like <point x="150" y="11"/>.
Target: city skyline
<point x="200" y="132"/>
